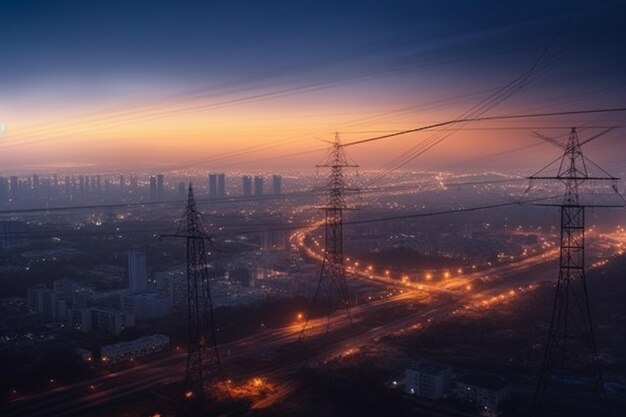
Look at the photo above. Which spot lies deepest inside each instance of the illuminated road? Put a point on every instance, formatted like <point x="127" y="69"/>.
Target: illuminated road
<point x="76" y="399"/>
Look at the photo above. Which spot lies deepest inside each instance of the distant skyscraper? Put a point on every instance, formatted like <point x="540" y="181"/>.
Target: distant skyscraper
<point x="247" y="185"/>
<point x="277" y="184"/>
<point x="4" y="191"/>
<point x="221" y="185"/>
<point x="181" y="191"/>
<point x="212" y="185"/>
<point x="14" y="188"/>
<point x="160" y="192"/>
<point x="36" y="186"/>
<point x="68" y="186"/>
<point x="137" y="271"/>
<point x="8" y="234"/>
<point x="258" y="185"/>
<point x="122" y="184"/>
<point x="153" y="188"/>
<point x="134" y="185"/>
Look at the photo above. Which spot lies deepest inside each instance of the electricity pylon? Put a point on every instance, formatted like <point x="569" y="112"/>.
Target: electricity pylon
<point x="570" y="381"/>
<point x="331" y="292"/>
<point x="204" y="377"/>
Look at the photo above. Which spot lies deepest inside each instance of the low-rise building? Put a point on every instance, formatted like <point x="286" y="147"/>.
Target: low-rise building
<point x="130" y="350"/>
<point x="428" y="379"/>
<point x="483" y="391"/>
<point x="84" y="354"/>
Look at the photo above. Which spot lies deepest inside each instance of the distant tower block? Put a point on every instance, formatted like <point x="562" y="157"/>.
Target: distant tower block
<point x="277" y="184"/>
<point x="258" y="185"/>
<point x="221" y="185"/>
<point x="180" y="190"/>
<point x="160" y="190"/>
<point x="247" y="185"/>
<point x="137" y="271"/>
<point x="212" y="185"/>
<point x="153" y="188"/>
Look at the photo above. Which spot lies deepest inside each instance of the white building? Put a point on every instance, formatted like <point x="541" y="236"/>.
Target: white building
<point x="128" y="351"/>
<point x="485" y="392"/>
<point x="146" y="305"/>
<point x="137" y="271"/>
<point x="429" y="380"/>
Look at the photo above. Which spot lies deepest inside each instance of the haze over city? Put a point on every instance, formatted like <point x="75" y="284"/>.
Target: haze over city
<point x="312" y="208"/>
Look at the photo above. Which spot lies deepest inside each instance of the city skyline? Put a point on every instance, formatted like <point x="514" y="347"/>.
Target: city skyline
<point x="312" y="208"/>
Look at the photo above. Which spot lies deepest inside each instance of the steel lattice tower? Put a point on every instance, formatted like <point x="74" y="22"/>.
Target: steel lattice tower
<point x="570" y="379"/>
<point x="331" y="292"/>
<point x="204" y="378"/>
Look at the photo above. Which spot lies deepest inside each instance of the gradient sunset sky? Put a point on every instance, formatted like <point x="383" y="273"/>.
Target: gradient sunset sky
<point x="254" y="84"/>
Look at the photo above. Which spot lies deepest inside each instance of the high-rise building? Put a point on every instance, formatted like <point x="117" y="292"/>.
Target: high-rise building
<point x="277" y="184"/>
<point x="4" y="191"/>
<point x="110" y="320"/>
<point x="122" y="185"/>
<point x="180" y="190"/>
<point x="68" y="186"/>
<point x="14" y="188"/>
<point x="212" y="185"/>
<point x="134" y="185"/>
<point x="137" y="271"/>
<point x="258" y="185"/>
<point x="160" y="190"/>
<point x="9" y="233"/>
<point x="153" y="188"/>
<point x="247" y="185"/>
<point x="221" y="185"/>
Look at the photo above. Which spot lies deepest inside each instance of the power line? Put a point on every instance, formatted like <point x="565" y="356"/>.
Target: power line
<point x="488" y="118"/>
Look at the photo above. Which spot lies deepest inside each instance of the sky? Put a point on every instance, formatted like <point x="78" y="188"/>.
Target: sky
<point x="255" y="85"/>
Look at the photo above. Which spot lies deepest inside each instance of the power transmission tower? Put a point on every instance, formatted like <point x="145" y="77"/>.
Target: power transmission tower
<point x="331" y="291"/>
<point x="204" y="378"/>
<point x="570" y="381"/>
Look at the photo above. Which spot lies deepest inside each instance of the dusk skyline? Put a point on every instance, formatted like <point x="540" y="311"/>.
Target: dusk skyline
<point x="279" y="208"/>
<point x="163" y="82"/>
